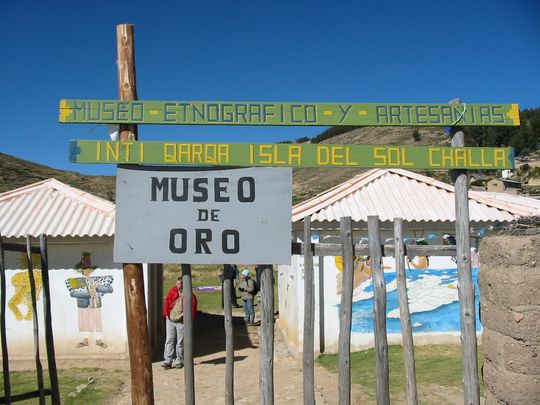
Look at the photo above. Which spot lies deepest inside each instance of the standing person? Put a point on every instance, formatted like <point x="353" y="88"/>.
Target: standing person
<point x="247" y="288"/>
<point x="229" y="272"/>
<point x="174" y="313"/>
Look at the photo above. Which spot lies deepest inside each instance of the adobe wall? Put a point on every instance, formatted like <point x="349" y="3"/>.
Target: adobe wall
<point x="509" y="282"/>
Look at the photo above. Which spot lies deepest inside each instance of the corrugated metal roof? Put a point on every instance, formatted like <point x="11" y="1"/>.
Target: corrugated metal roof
<point x="55" y="209"/>
<point x="398" y="193"/>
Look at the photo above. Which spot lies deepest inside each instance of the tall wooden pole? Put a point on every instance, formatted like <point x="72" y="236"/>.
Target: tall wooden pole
<point x="404" y="313"/>
<point x="379" y="311"/>
<point x="140" y="356"/>
<point x="229" y="335"/>
<point x="266" y="365"/>
<point x="189" y="374"/>
<point x="309" y="317"/>
<point x="471" y="393"/>
<point x="345" y="313"/>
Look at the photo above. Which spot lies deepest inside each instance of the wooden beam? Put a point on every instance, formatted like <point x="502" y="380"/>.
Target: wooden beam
<point x="47" y="320"/>
<point x="471" y="392"/>
<point x="309" y="318"/>
<point x="379" y="312"/>
<point x="334" y="249"/>
<point x="227" y="290"/>
<point x="3" y="335"/>
<point x="35" y="323"/>
<point x="345" y="313"/>
<point x="189" y="372"/>
<point x="404" y="314"/>
<point x="140" y="355"/>
<point x="266" y="373"/>
<point x="321" y="305"/>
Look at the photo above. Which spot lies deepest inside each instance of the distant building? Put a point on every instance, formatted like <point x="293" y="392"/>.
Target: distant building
<point x="504" y="186"/>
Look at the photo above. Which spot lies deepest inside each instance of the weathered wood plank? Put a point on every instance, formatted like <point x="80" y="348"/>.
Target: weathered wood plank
<point x="289" y="155"/>
<point x="47" y="318"/>
<point x="321" y="305"/>
<point x="404" y="314"/>
<point x="309" y="318"/>
<point x="189" y="374"/>
<point x="290" y="114"/>
<point x="3" y="335"/>
<point x="334" y="249"/>
<point x="471" y="392"/>
<point x="35" y="322"/>
<point x="229" y="338"/>
<point x="379" y="312"/>
<point x="345" y="313"/>
<point x="266" y="373"/>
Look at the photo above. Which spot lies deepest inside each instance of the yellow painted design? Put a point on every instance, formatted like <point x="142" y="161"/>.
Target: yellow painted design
<point x="327" y="112"/>
<point x="65" y="111"/>
<point x="154" y="112"/>
<point x="22" y="295"/>
<point x="362" y="112"/>
<point x="513" y="114"/>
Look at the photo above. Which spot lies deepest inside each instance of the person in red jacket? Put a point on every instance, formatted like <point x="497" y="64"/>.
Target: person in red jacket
<point x="175" y="327"/>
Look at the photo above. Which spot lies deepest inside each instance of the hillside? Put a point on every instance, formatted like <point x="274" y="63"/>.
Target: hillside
<point x="15" y="173"/>
<point x="308" y="182"/>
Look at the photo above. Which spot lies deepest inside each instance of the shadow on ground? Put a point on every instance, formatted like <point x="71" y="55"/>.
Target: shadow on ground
<point x="209" y="336"/>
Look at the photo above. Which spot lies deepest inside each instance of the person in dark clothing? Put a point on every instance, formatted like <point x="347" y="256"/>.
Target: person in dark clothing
<point x="230" y="272"/>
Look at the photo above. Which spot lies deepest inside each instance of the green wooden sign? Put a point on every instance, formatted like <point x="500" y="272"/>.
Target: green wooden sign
<point x="295" y="114"/>
<point x="290" y="155"/>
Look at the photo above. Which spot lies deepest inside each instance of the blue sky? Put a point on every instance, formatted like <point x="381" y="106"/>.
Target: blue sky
<point x="342" y="51"/>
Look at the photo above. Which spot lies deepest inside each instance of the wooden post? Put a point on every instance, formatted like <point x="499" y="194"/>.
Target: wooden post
<point x="379" y="311"/>
<point x="309" y="321"/>
<point x="321" y="305"/>
<point x="404" y="313"/>
<point x="47" y="318"/>
<point x="3" y="335"/>
<point x="189" y="375"/>
<point x="229" y="337"/>
<point x="39" y="368"/>
<point x="140" y="356"/>
<point x="266" y="376"/>
<point x="345" y="313"/>
<point x="471" y="392"/>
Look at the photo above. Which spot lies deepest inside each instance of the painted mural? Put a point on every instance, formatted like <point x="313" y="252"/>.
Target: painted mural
<point x="431" y="287"/>
<point x="22" y="298"/>
<point x="89" y="291"/>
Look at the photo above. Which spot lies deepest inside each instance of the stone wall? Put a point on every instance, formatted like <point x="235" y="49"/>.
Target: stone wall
<point x="509" y="282"/>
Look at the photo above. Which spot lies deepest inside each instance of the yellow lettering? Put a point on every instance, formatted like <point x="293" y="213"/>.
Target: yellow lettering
<point x="141" y="151"/>
<point x="223" y="153"/>
<point x="276" y="156"/>
<point x="265" y="151"/>
<point x="323" y="155"/>
<point x="197" y="153"/>
<point x="251" y="154"/>
<point x="295" y="152"/>
<point x="337" y="155"/>
<point x="500" y="157"/>
<point x="447" y="155"/>
<point x="184" y="153"/>
<point x="114" y="152"/>
<point x="483" y="159"/>
<point x="376" y="155"/>
<point x="461" y="157"/>
<point x="394" y="151"/>
<point x="431" y="151"/>
<point x="210" y="152"/>
<point x="127" y="149"/>
<point x="98" y="151"/>
<point x="348" y="160"/>
<point x="169" y="153"/>
<point x="470" y="159"/>
<point x="404" y="159"/>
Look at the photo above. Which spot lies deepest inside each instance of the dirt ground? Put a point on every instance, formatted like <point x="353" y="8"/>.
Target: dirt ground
<point x="210" y="370"/>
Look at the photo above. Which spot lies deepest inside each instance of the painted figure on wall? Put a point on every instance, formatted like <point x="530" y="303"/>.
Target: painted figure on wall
<point x="89" y="290"/>
<point x="22" y="295"/>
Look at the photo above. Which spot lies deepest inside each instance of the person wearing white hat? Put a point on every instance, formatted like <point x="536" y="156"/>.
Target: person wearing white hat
<point x="247" y="289"/>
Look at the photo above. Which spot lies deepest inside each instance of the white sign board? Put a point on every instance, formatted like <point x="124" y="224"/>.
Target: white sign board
<point x="166" y="215"/>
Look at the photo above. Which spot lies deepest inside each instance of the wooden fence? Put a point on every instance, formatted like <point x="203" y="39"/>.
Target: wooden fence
<point x="41" y="391"/>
